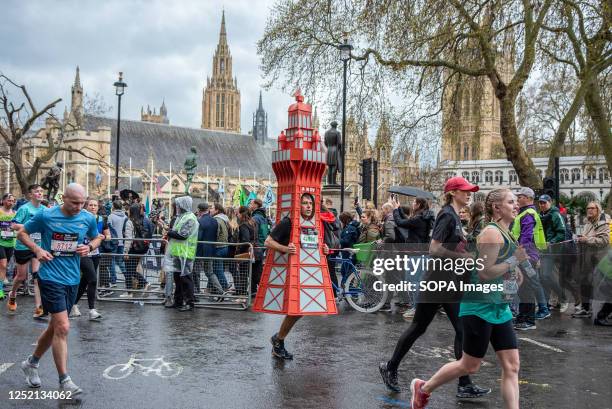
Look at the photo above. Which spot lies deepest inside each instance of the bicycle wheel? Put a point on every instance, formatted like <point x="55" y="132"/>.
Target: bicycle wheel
<point x="118" y="371"/>
<point x="360" y="293"/>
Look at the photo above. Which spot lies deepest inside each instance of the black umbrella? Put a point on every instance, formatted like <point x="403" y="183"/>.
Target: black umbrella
<point x="411" y="191"/>
<point x="125" y="194"/>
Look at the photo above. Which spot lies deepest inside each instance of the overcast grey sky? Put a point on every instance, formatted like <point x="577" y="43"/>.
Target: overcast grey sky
<point x="164" y="48"/>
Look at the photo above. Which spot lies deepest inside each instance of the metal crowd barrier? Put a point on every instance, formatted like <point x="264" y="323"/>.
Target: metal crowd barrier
<point x="219" y="282"/>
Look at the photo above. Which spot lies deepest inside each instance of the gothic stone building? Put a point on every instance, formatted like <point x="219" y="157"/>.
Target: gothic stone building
<point x="221" y="97"/>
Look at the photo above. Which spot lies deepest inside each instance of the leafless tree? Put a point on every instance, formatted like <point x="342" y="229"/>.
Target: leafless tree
<point x="18" y="114"/>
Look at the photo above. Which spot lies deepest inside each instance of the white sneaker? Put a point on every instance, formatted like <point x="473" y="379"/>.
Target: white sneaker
<point x="94" y="315"/>
<point x="409" y="313"/>
<point x="68" y="386"/>
<point x="126" y="295"/>
<point x="75" y="312"/>
<point x="31" y="373"/>
<point x="563" y="307"/>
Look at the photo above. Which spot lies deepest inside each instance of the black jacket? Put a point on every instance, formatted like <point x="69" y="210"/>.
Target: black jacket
<point x="415" y="229"/>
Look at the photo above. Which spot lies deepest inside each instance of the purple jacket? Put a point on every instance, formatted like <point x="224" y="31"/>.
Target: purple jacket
<point x="526" y="238"/>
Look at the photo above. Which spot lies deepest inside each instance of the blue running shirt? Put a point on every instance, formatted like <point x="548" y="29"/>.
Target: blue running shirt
<point x="61" y="235"/>
<point x="24" y="214"/>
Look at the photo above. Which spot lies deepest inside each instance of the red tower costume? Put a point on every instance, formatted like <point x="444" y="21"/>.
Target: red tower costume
<point x="298" y="284"/>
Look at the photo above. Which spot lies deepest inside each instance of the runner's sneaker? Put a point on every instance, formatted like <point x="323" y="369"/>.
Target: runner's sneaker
<point x="278" y="348"/>
<point x="563" y="307"/>
<point x="12" y="304"/>
<point x="389" y="377"/>
<point x="471" y="391"/>
<point x="38" y="312"/>
<point x="582" y="313"/>
<point x="419" y="398"/>
<point x="602" y="322"/>
<point x="94" y="315"/>
<point x="542" y="314"/>
<point x="524" y="326"/>
<point x="31" y="373"/>
<point x="75" y="312"/>
<point x="126" y="295"/>
<point x="68" y="386"/>
<point x="409" y="313"/>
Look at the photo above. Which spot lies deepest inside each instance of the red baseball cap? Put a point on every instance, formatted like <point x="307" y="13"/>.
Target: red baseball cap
<point x="459" y="183"/>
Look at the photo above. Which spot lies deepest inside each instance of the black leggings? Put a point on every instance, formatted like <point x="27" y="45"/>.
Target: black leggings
<point x="424" y="314"/>
<point x="89" y="280"/>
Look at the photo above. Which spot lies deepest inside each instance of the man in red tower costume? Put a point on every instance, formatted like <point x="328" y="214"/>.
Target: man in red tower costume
<point x="279" y="240"/>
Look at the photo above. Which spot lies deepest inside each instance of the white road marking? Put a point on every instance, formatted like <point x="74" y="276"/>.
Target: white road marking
<point x="540" y="344"/>
<point x="4" y="367"/>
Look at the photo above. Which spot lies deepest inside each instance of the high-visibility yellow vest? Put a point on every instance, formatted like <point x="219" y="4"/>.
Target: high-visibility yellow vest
<point x="538" y="231"/>
<point x="185" y="248"/>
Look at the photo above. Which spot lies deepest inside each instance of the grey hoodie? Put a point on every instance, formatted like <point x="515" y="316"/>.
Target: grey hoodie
<point x="116" y="220"/>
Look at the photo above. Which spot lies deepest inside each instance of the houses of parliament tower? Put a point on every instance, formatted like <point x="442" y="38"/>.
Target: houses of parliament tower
<point x="221" y="97"/>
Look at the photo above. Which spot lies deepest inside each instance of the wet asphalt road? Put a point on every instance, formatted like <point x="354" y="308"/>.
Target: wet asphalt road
<point x="225" y="362"/>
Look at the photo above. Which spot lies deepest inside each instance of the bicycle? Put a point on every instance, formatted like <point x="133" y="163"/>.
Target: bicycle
<point x="357" y="285"/>
<point x="158" y="366"/>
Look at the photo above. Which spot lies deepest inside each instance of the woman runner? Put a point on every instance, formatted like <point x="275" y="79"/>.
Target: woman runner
<point x="89" y="266"/>
<point x="486" y="317"/>
<point x="447" y="242"/>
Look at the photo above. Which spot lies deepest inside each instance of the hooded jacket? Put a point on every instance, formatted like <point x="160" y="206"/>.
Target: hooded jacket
<point x="554" y="227"/>
<point x="183" y="208"/>
<point x="116" y="220"/>
<point x="222" y="230"/>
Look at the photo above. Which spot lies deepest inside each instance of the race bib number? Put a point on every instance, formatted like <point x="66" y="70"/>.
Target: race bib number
<point x="309" y="238"/>
<point x="35" y="236"/>
<point x="64" y="244"/>
<point x="5" y="230"/>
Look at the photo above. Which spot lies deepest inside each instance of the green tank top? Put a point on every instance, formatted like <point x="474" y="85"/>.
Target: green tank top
<point x="489" y="306"/>
<point x="7" y="235"/>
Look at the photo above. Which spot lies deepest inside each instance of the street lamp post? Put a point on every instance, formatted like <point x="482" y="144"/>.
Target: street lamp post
<point x="345" y="56"/>
<point x="600" y="194"/>
<point x="119" y="90"/>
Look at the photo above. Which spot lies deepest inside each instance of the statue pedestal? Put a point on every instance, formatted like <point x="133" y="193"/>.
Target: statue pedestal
<point x="333" y="192"/>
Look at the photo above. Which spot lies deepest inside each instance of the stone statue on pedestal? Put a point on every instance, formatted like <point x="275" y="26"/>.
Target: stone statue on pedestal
<point x="51" y="180"/>
<point x="333" y="159"/>
<point x="191" y="163"/>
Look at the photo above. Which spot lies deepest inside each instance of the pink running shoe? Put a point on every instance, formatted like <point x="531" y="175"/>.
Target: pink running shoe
<point x="419" y="398"/>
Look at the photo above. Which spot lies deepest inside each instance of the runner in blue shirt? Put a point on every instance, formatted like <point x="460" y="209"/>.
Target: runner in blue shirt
<point x="23" y="255"/>
<point x="63" y="230"/>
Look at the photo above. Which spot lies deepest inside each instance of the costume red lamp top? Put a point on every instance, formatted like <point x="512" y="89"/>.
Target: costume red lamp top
<point x="298" y="284"/>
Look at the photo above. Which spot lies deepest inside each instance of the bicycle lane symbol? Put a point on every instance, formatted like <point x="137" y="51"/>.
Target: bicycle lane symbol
<point x="146" y="366"/>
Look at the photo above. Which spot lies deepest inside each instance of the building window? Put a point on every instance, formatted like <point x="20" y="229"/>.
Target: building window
<point x="564" y="175"/>
<point x="222" y="65"/>
<point x="27" y="156"/>
<point x="475" y="177"/>
<point x="70" y="153"/>
<point x="458" y="153"/>
<point x="499" y="176"/>
<point x="450" y="175"/>
<point x="223" y="111"/>
<point x="466" y="151"/>
<point x="575" y="175"/>
<point x="217" y="111"/>
<point x="604" y="174"/>
<point x="512" y="176"/>
<point x="465" y="175"/>
<point x="474" y="152"/>
<point x="590" y="174"/>
<point x="488" y="176"/>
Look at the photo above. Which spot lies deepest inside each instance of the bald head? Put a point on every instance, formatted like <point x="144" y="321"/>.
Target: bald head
<point x="74" y="199"/>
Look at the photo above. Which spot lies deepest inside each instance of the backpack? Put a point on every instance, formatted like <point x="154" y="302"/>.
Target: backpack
<point x="111" y="246"/>
<point x="329" y="235"/>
